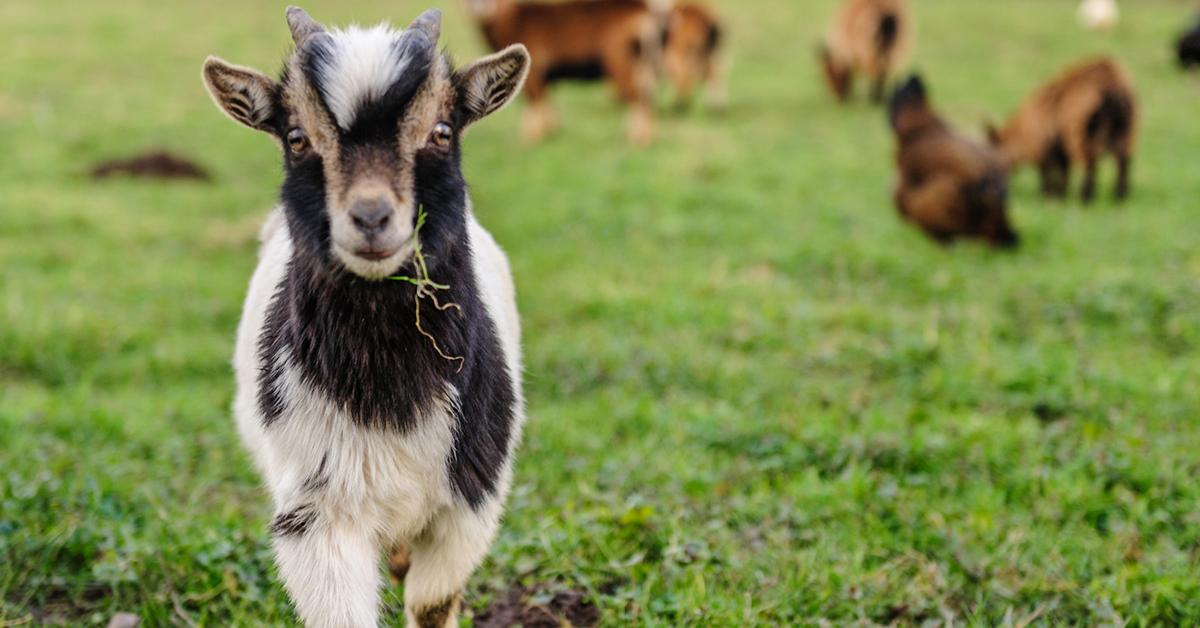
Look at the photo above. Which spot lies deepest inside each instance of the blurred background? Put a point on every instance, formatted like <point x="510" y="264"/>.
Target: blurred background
<point x="756" y="396"/>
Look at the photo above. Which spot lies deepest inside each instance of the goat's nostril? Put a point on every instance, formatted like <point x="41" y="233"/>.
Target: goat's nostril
<point x="371" y="216"/>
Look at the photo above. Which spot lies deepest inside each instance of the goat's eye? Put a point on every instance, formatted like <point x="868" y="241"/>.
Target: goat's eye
<point x="442" y="135"/>
<point x="297" y="141"/>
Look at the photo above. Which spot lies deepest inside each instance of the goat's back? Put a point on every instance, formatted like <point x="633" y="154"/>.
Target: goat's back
<point x="870" y="33"/>
<point x="574" y="31"/>
<point x="941" y="150"/>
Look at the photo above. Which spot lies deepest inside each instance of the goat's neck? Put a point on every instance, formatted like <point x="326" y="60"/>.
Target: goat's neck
<point x="919" y="123"/>
<point x="324" y="298"/>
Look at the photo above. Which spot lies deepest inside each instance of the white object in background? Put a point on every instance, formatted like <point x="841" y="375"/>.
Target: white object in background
<point x="1098" y="14"/>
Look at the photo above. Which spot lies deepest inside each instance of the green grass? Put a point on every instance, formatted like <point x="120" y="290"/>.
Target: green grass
<point x="756" y="397"/>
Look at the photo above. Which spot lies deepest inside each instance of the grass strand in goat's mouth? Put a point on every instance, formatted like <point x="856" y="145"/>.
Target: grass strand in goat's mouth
<point x="427" y="289"/>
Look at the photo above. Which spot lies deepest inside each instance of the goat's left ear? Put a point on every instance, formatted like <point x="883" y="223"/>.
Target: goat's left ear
<point x="486" y="86"/>
<point x="245" y="95"/>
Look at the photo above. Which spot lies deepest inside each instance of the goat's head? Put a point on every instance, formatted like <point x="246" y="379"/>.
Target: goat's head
<point x="691" y="39"/>
<point x="909" y="104"/>
<point x="369" y="121"/>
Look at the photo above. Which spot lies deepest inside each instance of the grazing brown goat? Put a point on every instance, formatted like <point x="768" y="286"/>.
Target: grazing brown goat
<point x="613" y="40"/>
<point x="867" y="36"/>
<point x="948" y="186"/>
<point x="1075" y="118"/>
<point x="692" y="54"/>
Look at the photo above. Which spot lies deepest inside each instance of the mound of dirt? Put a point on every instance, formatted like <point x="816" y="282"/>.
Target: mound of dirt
<point x="539" y="607"/>
<point x="156" y="164"/>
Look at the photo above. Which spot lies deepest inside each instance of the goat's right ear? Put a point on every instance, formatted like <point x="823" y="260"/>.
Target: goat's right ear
<point x="246" y="95"/>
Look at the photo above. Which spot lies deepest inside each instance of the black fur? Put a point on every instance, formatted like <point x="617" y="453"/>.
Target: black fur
<point x="356" y="342"/>
<point x="1188" y="48"/>
<point x="889" y="29"/>
<point x="714" y="38"/>
<point x="587" y="70"/>
<point x="294" y="522"/>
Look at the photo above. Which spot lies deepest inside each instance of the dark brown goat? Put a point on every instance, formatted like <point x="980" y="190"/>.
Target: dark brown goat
<point x="867" y="36"/>
<point x="948" y="185"/>
<point x="613" y="40"/>
<point x="1075" y="118"/>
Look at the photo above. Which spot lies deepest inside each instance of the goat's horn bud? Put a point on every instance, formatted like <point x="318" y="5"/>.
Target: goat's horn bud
<point x="302" y="25"/>
<point x="430" y="23"/>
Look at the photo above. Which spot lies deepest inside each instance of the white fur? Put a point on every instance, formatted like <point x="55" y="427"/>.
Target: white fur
<point x="383" y="487"/>
<point x="364" y="65"/>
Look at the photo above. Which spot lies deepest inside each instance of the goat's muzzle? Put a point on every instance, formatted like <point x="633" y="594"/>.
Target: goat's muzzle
<point x="371" y="217"/>
<point x="373" y="235"/>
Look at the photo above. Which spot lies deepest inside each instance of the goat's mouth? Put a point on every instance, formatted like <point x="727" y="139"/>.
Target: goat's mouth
<point x="374" y="262"/>
<point x="375" y="254"/>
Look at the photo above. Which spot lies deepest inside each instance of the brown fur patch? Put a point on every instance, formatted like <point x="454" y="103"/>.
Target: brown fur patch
<point x="301" y="98"/>
<point x="430" y="105"/>
<point x="399" y="562"/>
<point x="438" y="615"/>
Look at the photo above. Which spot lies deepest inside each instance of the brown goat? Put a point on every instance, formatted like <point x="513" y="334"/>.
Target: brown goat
<point x="867" y="36"/>
<point x="948" y="185"/>
<point x="613" y="40"/>
<point x="692" y="54"/>
<point x="1075" y="118"/>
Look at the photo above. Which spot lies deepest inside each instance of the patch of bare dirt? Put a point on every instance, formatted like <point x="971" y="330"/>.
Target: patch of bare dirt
<point x="155" y="164"/>
<point x="542" y="606"/>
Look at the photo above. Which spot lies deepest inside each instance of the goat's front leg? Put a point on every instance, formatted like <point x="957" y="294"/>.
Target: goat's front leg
<point x="330" y="568"/>
<point x="442" y="561"/>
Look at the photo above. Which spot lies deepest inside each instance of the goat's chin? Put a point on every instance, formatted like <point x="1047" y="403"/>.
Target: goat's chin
<point x="372" y="270"/>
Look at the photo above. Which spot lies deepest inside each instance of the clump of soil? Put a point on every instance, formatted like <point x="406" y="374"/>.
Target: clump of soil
<point x="542" y="606"/>
<point x="155" y="164"/>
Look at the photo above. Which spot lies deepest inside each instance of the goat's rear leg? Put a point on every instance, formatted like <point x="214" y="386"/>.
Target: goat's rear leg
<point x="443" y="558"/>
<point x="330" y="568"/>
<point x="1122" y="190"/>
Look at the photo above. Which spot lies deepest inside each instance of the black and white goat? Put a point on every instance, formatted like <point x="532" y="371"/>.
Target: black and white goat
<point x="376" y="425"/>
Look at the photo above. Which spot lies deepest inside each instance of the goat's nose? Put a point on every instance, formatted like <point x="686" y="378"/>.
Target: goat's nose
<point x="371" y="215"/>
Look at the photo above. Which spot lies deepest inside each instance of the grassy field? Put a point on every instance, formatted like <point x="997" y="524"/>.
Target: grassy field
<point x="756" y="397"/>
